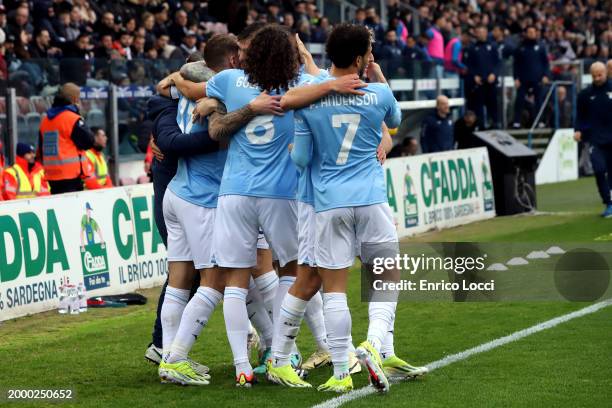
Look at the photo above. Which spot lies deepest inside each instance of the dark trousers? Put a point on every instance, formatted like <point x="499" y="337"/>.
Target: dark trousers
<point x="66" y="186"/>
<point x="519" y="104"/>
<point x="601" y="160"/>
<point x="482" y="99"/>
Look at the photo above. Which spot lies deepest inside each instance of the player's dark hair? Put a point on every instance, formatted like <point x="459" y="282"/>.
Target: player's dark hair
<point x="272" y="59"/>
<point x="250" y="30"/>
<point x="218" y="48"/>
<point x="346" y="42"/>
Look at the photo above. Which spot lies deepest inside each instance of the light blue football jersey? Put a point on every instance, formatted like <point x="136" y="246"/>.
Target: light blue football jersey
<point x="305" y="192"/>
<point x="258" y="162"/>
<point x="198" y="177"/>
<point x="345" y="131"/>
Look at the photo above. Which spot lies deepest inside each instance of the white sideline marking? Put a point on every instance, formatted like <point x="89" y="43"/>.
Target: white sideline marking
<point x="443" y="362"/>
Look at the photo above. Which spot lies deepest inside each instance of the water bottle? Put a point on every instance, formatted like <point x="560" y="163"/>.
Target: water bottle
<point x="73" y="295"/>
<point x="82" y="294"/>
<point x="63" y="298"/>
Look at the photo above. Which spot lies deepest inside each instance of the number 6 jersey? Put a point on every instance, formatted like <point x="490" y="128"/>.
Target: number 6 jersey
<point x="258" y="162"/>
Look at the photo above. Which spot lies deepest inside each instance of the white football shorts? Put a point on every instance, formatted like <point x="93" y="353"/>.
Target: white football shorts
<point x="190" y="231"/>
<point x="237" y="223"/>
<point x="341" y="231"/>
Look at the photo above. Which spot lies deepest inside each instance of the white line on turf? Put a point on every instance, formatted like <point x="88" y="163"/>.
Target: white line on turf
<point x="443" y="362"/>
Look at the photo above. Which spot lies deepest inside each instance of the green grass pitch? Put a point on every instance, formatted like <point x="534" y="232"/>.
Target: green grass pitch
<point x="100" y="354"/>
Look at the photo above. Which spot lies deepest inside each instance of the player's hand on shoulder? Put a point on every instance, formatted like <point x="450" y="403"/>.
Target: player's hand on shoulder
<point x="348" y="84"/>
<point x="204" y="108"/>
<point x="266" y="104"/>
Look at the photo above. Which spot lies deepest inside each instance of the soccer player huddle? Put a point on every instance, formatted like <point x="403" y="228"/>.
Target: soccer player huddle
<point x="292" y="178"/>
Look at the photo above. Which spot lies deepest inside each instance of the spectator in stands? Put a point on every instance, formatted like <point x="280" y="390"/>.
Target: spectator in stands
<point x="483" y="64"/>
<point x="531" y="73"/>
<point x="437" y="128"/>
<point x="414" y="58"/>
<point x="41" y="49"/>
<point x="106" y="48"/>
<point x="62" y="138"/>
<point x="453" y="54"/>
<point x="391" y="51"/>
<point x="20" y="21"/>
<point x="360" y="16"/>
<point x="594" y="125"/>
<point x="464" y="130"/>
<point x="189" y="44"/>
<point x="75" y="67"/>
<point x="95" y="167"/>
<point x="26" y="178"/>
<point x="106" y="25"/>
<point x="137" y="49"/>
<point x="123" y="45"/>
<point x="565" y="107"/>
<point x="372" y="21"/>
<point x="609" y="68"/>
<point x="179" y="28"/>
<point x="321" y="31"/>
<point x="408" y="147"/>
<point x="435" y="47"/>
<point x="288" y="20"/>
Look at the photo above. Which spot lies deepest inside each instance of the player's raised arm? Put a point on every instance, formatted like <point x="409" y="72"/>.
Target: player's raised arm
<point x="223" y="125"/>
<point x="310" y="67"/>
<point x="303" y="96"/>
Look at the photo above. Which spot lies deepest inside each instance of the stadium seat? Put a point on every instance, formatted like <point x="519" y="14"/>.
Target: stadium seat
<point x="23" y="105"/>
<point x="39" y="104"/>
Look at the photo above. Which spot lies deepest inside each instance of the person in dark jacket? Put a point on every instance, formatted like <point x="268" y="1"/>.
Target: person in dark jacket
<point x="482" y="62"/>
<point x="594" y="125"/>
<point x="531" y="73"/>
<point x="464" y="130"/>
<point x="437" y="129"/>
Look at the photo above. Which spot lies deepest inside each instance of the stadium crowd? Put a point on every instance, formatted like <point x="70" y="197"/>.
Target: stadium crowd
<point x="152" y="29"/>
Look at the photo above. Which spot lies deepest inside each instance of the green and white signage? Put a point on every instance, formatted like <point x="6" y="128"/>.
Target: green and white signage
<point x="440" y="190"/>
<point x="107" y="239"/>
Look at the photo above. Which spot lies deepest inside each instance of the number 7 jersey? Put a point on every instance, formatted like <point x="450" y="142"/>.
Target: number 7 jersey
<point x="258" y="162"/>
<point x="345" y="131"/>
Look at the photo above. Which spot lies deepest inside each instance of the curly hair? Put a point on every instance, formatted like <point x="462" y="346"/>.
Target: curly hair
<point x="272" y="61"/>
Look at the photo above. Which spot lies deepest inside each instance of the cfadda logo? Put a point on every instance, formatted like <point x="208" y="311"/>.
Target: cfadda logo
<point x="94" y="258"/>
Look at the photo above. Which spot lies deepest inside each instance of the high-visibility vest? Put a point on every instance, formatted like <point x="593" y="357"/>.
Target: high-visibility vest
<point x="100" y="169"/>
<point x="60" y="156"/>
<point x="28" y="187"/>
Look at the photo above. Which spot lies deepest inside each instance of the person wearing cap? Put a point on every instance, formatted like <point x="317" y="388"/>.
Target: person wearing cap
<point x="63" y="138"/>
<point x="189" y="44"/>
<point x="26" y="178"/>
<point x="96" y="170"/>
